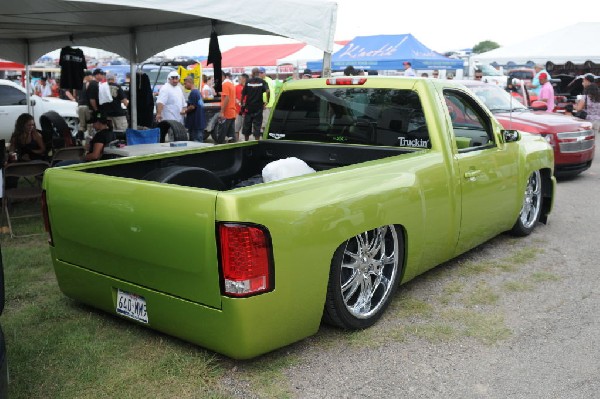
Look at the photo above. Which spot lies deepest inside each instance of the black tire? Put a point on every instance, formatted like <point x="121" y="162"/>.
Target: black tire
<point x="189" y="176"/>
<point x="55" y="131"/>
<point x="173" y="131"/>
<point x="373" y="261"/>
<point x="532" y="206"/>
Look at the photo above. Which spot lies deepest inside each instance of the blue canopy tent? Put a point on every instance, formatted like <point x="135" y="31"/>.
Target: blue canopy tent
<point x="387" y="52"/>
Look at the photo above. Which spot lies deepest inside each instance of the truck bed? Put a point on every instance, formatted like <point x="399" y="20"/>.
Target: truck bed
<point x="240" y="166"/>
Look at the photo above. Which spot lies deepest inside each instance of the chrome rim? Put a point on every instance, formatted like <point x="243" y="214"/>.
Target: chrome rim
<point x="533" y="200"/>
<point x="368" y="270"/>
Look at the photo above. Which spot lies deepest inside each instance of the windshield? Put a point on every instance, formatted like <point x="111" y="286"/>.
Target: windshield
<point x="162" y="76"/>
<point x="495" y="98"/>
<point x="352" y="115"/>
<point x="489" y="70"/>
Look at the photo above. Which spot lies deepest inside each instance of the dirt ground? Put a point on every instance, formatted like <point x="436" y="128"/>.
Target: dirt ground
<point x="514" y="318"/>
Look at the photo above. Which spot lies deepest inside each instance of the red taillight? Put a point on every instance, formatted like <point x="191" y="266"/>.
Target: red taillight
<point x="46" y="218"/>
<point x="245" y="259"/>
<point x="346" y="81"/>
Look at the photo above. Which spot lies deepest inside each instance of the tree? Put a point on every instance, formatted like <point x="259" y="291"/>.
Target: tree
<point x="484" y="46"/>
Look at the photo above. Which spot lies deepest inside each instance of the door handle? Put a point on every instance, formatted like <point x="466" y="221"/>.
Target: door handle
<point x="472" y="174"/>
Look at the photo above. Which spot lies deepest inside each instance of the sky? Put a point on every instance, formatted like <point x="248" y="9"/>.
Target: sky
<point x="440" y="25"/>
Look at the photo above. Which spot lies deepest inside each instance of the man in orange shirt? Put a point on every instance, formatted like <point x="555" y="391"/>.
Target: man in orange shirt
<point x="228" y="113"/>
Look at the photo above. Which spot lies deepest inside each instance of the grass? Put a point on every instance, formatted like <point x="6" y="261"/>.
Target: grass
<point x="58" y="348"/>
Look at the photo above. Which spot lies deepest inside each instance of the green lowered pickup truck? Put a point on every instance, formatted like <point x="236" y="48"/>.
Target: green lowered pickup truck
<point x="408" y="173"/>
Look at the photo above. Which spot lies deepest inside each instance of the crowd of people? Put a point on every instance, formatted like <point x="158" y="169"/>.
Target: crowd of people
<point x="245" y="106"/>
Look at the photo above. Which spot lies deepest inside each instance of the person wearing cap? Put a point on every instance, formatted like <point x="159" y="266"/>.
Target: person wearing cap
<point x="307" y="74"/>
<point x="408" y="71"/>
<point x="116" y="109"/>
<point x="590" y="101"/>
<point x="92" y="91"/>
<point x="42" y="88"/>
<point x="268" y="97"/>
<point x="104" y="135"/>
<point x="546" y="92"/>
<point x="253" y="104"/>
<point x="194" y="114"/>
<point x="170" y="101"/>
<point x="535" y="85"/>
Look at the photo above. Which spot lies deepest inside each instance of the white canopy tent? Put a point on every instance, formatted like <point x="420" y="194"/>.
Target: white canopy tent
<point x="138" y="29"/>
<point x="577" y="44"/>
<point x="302" y="56"/>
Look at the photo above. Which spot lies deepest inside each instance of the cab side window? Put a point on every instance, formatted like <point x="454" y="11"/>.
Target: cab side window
<point x="11" y="96"/>
<point x="471" y="125"/>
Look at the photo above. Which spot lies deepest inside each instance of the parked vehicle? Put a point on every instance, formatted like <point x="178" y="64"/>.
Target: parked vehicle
<point x="13" y="103"/>
<point x="572" y="139"/>
<point x="492" y="75"/>
<point x="230" y="256"/>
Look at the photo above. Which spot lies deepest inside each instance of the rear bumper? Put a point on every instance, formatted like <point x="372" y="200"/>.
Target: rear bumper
<point x="243" y="328"/>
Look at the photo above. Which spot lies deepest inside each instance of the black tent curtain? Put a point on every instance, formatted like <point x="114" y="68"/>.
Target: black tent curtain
<point x="214" y="58"/>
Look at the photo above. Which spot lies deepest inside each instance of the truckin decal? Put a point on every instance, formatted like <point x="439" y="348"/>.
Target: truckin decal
<point x="418" y="143"/>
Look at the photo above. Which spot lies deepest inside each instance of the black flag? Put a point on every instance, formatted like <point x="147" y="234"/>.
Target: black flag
<point x="214" y="58"/>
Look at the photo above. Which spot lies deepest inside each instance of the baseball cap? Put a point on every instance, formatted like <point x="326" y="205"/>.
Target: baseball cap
<point x="172" y="74"/>
<point x="262" y="70"/>
<point x="98" y="71"/>
<point x="589" y="77"/>
<point x="307" y="72"/>
<point x="543" y="75"/>
<point x="406" y="63"/>
<point x="98" y="116"/>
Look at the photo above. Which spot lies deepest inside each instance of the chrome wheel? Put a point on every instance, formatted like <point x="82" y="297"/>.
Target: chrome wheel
<point x="365" y="271"/>
<point x="532" y="203"/>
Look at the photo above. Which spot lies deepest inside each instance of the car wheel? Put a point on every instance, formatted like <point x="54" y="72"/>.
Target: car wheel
<point x="364" y="274"/>
<point x="532" y="206"/>
<point x="171" y="130"/>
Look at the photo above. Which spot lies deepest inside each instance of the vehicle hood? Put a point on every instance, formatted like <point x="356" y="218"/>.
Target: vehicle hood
<point x="541" y="122"/>
<point x="62" y="107"/>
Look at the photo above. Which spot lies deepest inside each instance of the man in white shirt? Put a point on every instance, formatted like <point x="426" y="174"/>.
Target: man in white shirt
<point x="43" y="89"/>
<point x="408" y="71"/>
<point x="170" y="101"/>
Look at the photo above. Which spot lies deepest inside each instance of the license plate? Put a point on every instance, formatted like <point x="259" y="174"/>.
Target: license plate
<point x="132" y="306"/>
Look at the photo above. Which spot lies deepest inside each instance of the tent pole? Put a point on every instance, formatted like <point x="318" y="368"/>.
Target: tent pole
<point x="133" y="60"/>
<point x="326" y="65"/>
<point x="28" y="80"/>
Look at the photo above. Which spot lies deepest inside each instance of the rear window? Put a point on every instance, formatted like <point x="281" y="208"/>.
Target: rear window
<point x="351" y="115"/>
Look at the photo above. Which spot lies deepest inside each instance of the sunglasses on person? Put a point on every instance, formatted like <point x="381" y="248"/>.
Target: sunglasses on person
<point x="478" y="76"/>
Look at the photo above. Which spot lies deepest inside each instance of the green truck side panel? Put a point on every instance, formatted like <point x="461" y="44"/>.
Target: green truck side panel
<point x="158" y="240"/>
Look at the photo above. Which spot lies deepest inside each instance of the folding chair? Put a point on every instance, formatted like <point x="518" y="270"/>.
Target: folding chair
<point x="67" y="154"/>
<point x="33" y="172"/>
<point x="148" y="136"/>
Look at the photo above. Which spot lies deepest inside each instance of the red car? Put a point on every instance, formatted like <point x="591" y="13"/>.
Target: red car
<point x="572" y="138"/>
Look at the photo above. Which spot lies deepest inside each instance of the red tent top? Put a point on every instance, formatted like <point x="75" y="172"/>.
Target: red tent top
<point x="268" y="55"/>
<point x="8" y="65"/>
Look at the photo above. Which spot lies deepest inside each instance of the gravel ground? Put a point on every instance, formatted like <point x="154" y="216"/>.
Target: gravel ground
<point x="544" y="308"/>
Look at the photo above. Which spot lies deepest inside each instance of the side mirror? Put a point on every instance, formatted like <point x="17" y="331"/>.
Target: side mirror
<point x="539" y="106"/>
<point x="510" y="136"/>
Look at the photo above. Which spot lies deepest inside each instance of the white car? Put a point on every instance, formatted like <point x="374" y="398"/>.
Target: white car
<point x="492" y="75"/>
<point x="13" y="103"/>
